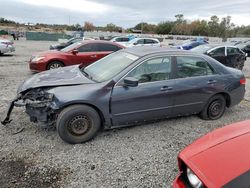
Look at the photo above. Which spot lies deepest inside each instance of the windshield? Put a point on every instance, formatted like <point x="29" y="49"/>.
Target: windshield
<point x="71" y="47"/>
<point x="241" y="45"/>
<point x="132" y="41"/>
<point x="201" y="48"/>
<point x="109" y="66"/>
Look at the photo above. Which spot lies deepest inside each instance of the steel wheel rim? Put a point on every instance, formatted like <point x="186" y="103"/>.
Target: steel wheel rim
<point x="215" y="108"/>
<point x="79" y="125"/>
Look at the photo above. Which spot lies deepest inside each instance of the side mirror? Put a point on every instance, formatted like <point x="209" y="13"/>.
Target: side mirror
<point x="135" y="43"/>
<point x="130" y="81"/>
<point x="210" y="53"/>
<point x="75" y="51"/>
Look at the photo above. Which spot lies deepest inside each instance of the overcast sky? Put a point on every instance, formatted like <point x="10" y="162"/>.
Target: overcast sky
<point x="121" y="12"/>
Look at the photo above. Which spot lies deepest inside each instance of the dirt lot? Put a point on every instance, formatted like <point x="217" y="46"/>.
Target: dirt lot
<point x="140" y="156"/>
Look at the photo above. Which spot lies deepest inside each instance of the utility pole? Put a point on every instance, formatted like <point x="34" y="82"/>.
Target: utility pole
<point x="69" y="19"/>
<point x="141" y="26"/>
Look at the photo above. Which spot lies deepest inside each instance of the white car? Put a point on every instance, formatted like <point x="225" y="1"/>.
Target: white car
<point x="121" y="40"/>
<point x="143" y="42"/>
<point x="6" y="46"/>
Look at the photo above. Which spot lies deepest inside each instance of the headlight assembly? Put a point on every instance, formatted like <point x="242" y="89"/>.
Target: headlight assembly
<point x="193" y="179"/>
<point x="37" y="58"/>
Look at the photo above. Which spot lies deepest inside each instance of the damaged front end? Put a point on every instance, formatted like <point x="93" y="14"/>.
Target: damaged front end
<point x="39" y="104"/>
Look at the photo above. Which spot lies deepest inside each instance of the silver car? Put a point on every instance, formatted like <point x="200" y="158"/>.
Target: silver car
<point x="6" y="46"/>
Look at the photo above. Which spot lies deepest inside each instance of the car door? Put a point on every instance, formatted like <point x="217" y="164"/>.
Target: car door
<point x="140" y="42"/>
<point x="151" y="99"/>
<point x="149" y="42"/>
<point x="196" y="81"/>
<point x="219" y="54"/>
<point x="106" y="49"/>
<point x="86" y="54"/>
<point x="233" y="57"/>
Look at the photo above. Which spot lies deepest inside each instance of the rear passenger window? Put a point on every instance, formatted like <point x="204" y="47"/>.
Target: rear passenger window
<point x="107" y="48"/>
<point x="192" y="67"/>
<point x="92" y="47"/>
<point x="152" y="70"/>
<point x="231" y="50"/>
<point x="149" y="41"/>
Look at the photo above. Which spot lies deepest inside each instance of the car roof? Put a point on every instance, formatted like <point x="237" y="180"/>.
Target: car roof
<point x="150" y="50"/>
<point x="100" y="41"/>
<point x="145" y="38"/>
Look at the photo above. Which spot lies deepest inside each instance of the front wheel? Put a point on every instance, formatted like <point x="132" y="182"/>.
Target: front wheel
<point x="54" y="65"/>
<point x="78" y="124"/>
<point x="214" y="109"/>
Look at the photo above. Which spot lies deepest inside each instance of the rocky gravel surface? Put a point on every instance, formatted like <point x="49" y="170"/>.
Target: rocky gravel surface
<point x="139" y="156"/>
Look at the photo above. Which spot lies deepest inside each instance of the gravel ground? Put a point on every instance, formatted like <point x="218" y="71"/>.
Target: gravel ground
<point x="139" y="156"/>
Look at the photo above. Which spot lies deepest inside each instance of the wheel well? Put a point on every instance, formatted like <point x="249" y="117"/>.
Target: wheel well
<point x="227" y="97"/>
<point x="90" y="105"/>
<point x="53" y="61"/>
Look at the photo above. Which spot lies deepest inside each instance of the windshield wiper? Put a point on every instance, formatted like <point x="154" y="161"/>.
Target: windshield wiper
<point x="85" y="73"/>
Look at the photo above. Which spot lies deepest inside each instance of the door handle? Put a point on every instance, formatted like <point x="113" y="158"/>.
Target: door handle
<point x="166" y="88"/>
<point x="211" y="81"/>
<point x="93" y="56"/>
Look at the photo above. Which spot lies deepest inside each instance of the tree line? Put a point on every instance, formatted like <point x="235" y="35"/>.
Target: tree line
<point x="215" y="27"/>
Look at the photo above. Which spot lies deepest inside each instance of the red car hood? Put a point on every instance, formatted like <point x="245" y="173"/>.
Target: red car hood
<point x="220" y="156"/>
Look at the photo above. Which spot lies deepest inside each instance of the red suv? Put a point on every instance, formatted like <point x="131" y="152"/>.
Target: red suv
<point x="85" y="53"/>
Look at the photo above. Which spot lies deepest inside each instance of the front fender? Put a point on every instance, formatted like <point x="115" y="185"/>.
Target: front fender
<point x="95" y="95"/>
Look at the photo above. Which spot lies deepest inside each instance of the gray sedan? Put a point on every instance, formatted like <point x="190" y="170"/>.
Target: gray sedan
<point x="128" y="87"/>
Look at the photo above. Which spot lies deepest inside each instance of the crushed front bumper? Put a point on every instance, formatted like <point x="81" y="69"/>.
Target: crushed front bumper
<point x="38" y="111"/>
<point x="7" y="119"/>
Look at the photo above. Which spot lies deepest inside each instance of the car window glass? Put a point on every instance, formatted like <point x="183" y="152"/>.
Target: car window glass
<point x="194" y="44"/>
<point x="125" y="39"/>
<point x="118" y="39"/>
<point x="231" y="50"/>
<point x="152" y="70"/>
<point x="218" y="51"/>
<point x="141" y="41"/>
<point x="107" y="47"/>
<point x="149" y="41"/>
<point x="88" y="48"/>
<point x="192" y="67"/>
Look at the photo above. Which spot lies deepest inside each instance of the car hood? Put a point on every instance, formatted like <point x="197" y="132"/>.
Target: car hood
<point x="70" y="75"/>
<point x="220" y="156"/>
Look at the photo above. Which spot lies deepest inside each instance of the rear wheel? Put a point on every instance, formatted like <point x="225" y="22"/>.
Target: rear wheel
<point x="214" y="109"/>
<point x="78" y="124"/>
<point x="54" y="65"/>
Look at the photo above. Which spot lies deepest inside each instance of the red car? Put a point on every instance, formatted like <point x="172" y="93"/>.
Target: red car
<point x="85" y="53"/>
<point x="218" y="159"/>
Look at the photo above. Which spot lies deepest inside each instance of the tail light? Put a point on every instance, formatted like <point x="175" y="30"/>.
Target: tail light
<point x="242" y="81"/>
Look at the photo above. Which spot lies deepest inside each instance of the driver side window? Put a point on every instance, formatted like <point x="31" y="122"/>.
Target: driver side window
<point x="152" y="70"/>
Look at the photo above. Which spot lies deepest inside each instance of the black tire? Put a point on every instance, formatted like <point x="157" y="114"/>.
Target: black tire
<point x="55" y="65"/>
<point x="214" y="108"/>
<point x="78" y="123"/>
